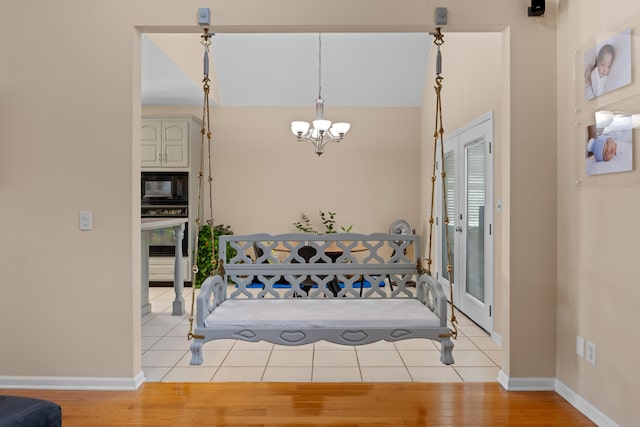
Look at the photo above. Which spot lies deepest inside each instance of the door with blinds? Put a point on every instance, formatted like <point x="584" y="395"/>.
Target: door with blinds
<point x="468" y="163"/>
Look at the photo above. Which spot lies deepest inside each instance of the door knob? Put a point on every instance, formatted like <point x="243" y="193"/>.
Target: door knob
<point x="459" y="229"/>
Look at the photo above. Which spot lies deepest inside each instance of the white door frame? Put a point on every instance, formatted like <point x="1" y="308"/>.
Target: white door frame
<point x="480" y="312"/>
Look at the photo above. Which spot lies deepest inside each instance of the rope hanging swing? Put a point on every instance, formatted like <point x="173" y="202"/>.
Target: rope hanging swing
<point x="205" y="132"/>
<point x="438" y="136"/>
<point x="438" y="139"/>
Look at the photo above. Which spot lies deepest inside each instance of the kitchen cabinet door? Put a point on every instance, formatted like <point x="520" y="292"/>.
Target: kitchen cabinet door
<point x="165" y="142"/>
<point x="151" y="143"/>
<point x="175" y="143"/>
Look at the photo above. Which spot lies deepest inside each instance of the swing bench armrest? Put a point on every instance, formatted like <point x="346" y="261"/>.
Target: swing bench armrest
<point x="432" y="295"/>
<point x="212" y="294"/>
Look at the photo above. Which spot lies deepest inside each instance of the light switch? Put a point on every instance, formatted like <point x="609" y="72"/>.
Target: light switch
<point x="580" y="346"/>
<point x="85" y="220"/>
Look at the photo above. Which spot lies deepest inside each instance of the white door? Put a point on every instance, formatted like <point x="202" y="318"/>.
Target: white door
<point x="468" y="164"/>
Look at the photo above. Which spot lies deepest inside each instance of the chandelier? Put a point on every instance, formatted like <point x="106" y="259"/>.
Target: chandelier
<point x="322" y="131"/>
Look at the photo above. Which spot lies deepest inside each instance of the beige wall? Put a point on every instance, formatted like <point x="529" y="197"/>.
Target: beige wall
<point x="69" y="119"/>
<point x="263" y="178"/>
<point x="70" y="303"/>
<point x="480" y="71"/>
<point x="531" y="202"/>
<point x="91" y="133"/>
<point x="597" y="223"/>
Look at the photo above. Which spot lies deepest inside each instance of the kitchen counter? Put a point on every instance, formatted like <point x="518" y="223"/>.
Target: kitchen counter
<point x="147" y="224"/>
<point x="156" y="223"/>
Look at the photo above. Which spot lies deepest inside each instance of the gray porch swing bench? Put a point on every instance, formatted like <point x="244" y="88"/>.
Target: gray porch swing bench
<point x="299" y="288"/>
<point x="232" y="304"/>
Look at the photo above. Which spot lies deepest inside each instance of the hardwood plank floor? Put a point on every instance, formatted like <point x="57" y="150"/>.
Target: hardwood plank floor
<point x="312" y="404"/>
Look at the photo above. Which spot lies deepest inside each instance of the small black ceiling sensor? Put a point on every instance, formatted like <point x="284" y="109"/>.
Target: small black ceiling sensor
<point x="536" y="8"/>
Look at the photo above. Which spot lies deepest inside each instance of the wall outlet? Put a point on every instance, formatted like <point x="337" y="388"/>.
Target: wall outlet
<point x="591" y="352"/>
<point x="580" y="346"/>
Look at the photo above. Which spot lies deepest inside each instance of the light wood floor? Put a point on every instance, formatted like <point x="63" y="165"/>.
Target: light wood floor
<point x="312" y="404"/>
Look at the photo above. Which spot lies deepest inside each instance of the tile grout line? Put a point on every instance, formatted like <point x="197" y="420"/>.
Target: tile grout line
<point x="313" y="360"/>
<point x="264" y="371"/>
<point x="355" y="349"/>
<point x="221" y="362"/>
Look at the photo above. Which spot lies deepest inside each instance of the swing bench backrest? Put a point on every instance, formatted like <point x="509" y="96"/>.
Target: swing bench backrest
<point x="336" y="265"/>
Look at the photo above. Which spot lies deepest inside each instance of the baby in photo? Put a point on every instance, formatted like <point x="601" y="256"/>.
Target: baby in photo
<point x="596" y="76"/>
<point x="603" y="148"/>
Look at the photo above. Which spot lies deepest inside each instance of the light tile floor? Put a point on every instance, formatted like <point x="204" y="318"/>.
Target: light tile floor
<point x="165" y="355"/>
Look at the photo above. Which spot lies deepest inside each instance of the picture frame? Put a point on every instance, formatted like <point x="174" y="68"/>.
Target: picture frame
<point x="609" y="143"/>
<point x="607" y="66"/>
<point x="606" y="174"/>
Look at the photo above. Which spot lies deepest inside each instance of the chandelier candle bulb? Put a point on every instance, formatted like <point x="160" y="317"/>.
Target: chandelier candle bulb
<point x="322" y="125"/>
<point x="340" y="128"/>
<point x="299" y="128"/>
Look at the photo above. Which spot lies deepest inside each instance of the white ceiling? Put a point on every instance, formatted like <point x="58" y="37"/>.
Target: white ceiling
<point x="358" y="69"/>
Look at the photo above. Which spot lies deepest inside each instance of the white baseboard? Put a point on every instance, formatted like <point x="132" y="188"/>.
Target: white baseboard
<point x="552" y="384"/>
<point x="591" y="412"/>
<point x="72" y="383"/>
<point x="496" y="337"/>
<point x="526" y="384"/>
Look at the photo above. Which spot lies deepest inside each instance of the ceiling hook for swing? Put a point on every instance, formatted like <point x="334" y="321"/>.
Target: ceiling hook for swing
<point x="438" y="40"/>
<point x="206" y="36"/>
<point x="206" y="42"/>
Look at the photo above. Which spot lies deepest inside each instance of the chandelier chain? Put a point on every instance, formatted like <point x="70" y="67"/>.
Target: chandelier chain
<point x="319" y="65"/>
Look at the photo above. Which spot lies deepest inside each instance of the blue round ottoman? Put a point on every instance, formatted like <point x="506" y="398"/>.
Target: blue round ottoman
<point x="18" y="411"/>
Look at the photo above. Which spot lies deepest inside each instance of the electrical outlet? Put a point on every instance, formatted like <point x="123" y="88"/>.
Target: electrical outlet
<point x="591" y="352"/>
<point x="580" y="346"/>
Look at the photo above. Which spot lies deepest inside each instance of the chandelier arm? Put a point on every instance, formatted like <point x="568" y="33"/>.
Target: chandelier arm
<point x="323" y="143"/>
<point x="333" y="137"/>
<point x="307" y="138"/>
<point x="326" y="141"/>
<point x="319" y="143"/>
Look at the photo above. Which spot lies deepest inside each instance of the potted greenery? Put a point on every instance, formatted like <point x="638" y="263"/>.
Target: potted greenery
<point x="204" y="250"/>
<point x="326" y="218"/>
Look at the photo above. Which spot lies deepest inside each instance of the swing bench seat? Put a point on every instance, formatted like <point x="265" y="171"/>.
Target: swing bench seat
<point x="357" y="289"/>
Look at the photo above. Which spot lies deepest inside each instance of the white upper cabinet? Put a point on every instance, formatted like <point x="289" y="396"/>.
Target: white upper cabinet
<point x="165" y="142"/>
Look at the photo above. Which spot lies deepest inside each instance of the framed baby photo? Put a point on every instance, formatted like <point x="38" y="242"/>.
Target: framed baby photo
<point x="609" y="143"/>
<point x="607" y="66"/>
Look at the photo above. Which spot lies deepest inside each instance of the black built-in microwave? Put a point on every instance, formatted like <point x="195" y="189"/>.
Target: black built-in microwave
<point x="164" y="188"/>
